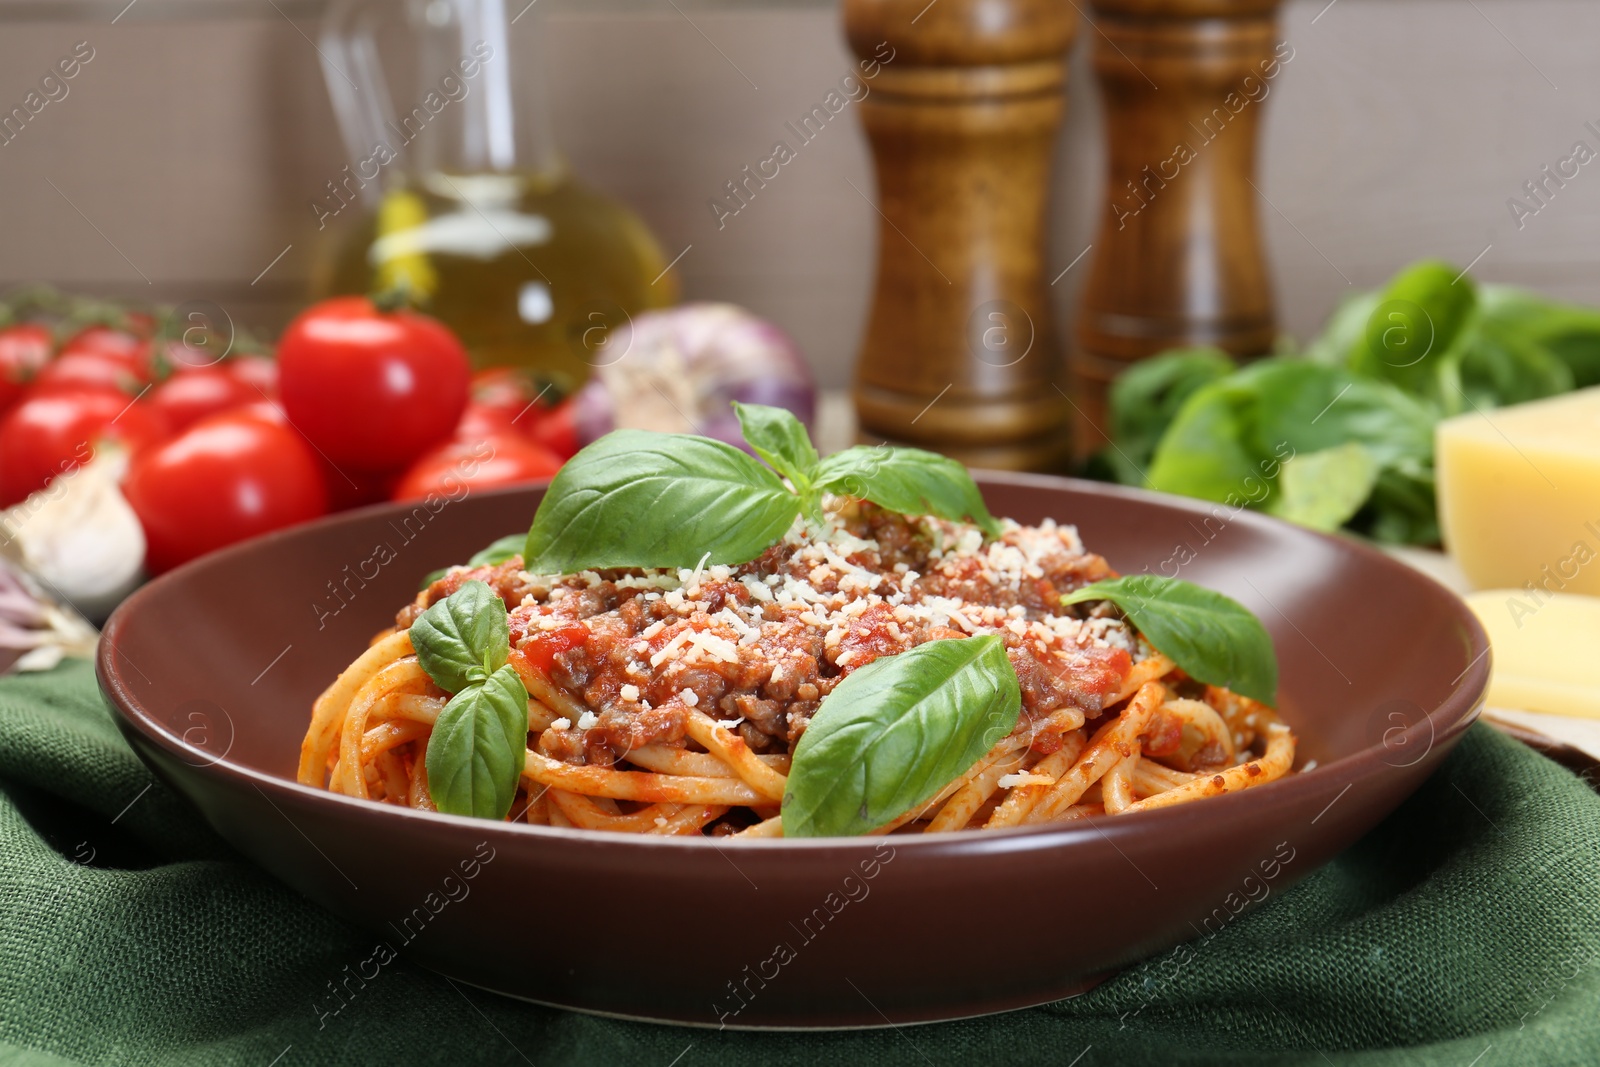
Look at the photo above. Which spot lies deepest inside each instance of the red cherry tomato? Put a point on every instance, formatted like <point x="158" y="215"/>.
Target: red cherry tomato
<point x="227" y="478"/>
<point x="141" y="323"/>
<point x="132" y="351"/>
<point x="265" y="410"/>
<point x="76" y="371"/>
<point x="458" y="466"/>
<point x="181" y="357"/>
<point x="346" y="488"/>
<point x="192" y="395"/>
<point x="52" y="433"/>
<point x="517" y="393"/>
<point x="557" y="431"/>
<point x="482" y="420"/>
<point x="538" y="653"/>
<point x="373" y="390"/>
<point x="257" y="372"/>
<point x="24" y="350"/>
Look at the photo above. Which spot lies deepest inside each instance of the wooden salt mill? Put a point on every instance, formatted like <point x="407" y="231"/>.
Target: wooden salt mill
<point x="961" y="354"/>
<point x="1178" y="259"/>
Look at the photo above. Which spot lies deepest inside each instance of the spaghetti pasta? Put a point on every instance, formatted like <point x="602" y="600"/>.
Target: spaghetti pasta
<point x="670" y="702"/>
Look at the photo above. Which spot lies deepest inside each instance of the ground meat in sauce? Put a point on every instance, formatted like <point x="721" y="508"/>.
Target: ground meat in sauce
<point x="760" y="646"/>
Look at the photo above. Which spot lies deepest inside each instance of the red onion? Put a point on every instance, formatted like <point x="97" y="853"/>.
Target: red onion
<point x="678" y="371"/>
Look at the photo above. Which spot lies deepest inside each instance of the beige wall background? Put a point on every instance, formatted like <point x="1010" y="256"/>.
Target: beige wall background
<point x="182" y="161"/>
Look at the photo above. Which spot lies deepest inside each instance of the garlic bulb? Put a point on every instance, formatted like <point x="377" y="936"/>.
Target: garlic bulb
<point x="79" y="537"/>
<point x="32" y="624"/>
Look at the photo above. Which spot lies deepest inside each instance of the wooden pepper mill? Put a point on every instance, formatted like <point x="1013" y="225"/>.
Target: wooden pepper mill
<point x="961" y="354"/>
<point x="1178" y="259"/>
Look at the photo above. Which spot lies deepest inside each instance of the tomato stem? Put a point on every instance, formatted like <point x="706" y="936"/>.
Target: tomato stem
<point x="392" y="299"/>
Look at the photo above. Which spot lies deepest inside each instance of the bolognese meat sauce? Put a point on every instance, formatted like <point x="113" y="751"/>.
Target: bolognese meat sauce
<point x="761" y="645"/>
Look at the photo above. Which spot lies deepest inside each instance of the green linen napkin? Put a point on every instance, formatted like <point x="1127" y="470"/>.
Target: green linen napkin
<point x="1464" y="931"/>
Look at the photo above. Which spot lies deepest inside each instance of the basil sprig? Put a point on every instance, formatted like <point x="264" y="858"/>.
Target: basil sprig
<point x="464" y="638"/>
<point x="780" y="439"/>
<point x="477" y="748"/>
<point x="640" y="499"/>
<point x="907" y="480"/>
<point x="895" y="732"/>
<point x="1214" y="639"/>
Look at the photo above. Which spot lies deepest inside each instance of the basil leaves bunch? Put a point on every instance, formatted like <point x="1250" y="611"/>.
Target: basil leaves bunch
<point x="1341" y="435"/>
<point x="478" y="746"/>
<point x="640" y="499"/>
<point x="1214" y="639"/>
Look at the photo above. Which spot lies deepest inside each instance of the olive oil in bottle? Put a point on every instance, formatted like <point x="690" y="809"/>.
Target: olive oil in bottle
<point x="464" y="198"/>
<point x="528" y="270"/>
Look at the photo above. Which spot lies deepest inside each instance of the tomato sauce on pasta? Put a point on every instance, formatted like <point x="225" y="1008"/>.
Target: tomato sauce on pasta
<point x="671" y="701"/>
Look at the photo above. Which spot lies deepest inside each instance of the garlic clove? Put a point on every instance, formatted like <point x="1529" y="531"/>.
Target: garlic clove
<point x="79" y="536"/>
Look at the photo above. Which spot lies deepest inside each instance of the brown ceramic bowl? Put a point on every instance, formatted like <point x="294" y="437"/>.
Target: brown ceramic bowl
<point x="213" y="669"/>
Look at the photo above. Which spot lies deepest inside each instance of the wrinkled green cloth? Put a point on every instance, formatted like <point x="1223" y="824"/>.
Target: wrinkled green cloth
<point x="1464" y="931"/>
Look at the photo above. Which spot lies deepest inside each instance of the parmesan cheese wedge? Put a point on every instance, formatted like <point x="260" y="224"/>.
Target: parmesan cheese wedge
<point x="1542" y="646"/>
<point x="1519" y="494"/>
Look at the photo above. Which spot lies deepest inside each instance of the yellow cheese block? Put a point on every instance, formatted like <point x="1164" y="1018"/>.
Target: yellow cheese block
<point x="1543" y="648"/>
<point x="1519" y="494"/>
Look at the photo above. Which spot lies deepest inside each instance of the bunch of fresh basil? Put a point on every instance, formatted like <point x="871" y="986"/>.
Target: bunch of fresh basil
<point x="1342" y="435"/>
<point x="891" y="734"/>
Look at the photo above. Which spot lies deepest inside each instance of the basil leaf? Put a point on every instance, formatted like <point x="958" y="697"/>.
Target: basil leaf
<point x="1147" y="396"/>
<point x="1500" y="366"/>
<point x="780" y="439"/>
<point x="1568" y="332"/>
<point x="1209" y="450"/>
<point x="1214" y="639"/>
<point x="478" y="746"/>
<point x="1233" y="439"/>
<point x="498" y="552"/>
<point x="463" y="638"/>
<point x="909" y="481"/>
<point x="1324" y="489"/>
<point x="896" y="731"/>
<point x="1313" y="408"/>
<point x="1412" y="331"/>
<point x="641" y="499"/>
<point x="1344" y="329"/>
<point x="1403" y="506"/>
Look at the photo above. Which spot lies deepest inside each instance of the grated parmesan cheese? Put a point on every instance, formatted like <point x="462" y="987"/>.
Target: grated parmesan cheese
<point x="1011" y="781"/>
<point x="774" y="622"/>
